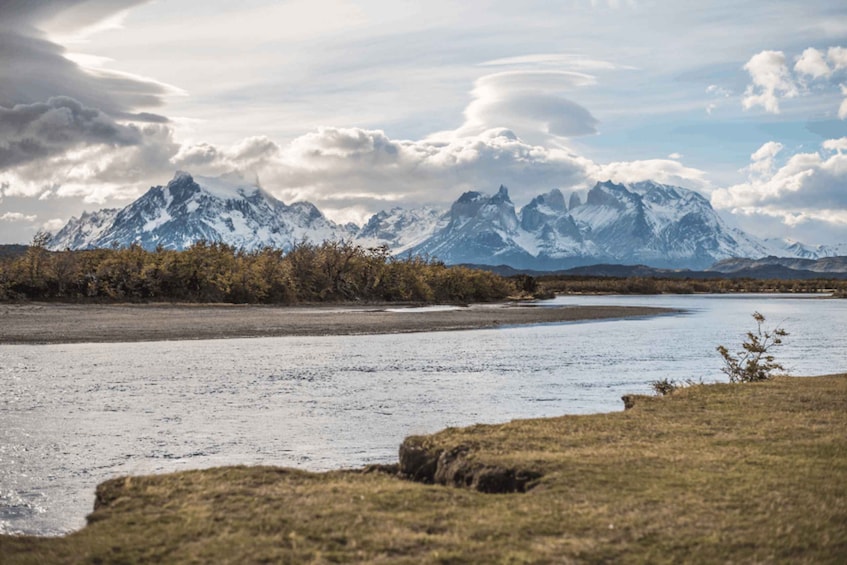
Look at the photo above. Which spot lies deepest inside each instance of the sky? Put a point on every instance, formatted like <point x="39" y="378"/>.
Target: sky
<point x="360" y="106"/>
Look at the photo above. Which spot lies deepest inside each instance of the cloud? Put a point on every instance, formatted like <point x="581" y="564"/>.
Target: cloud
<point x="555" y="60"/>
<point x="720" y="91"/>
<point x="838" y="57"/>
<point x="835" y="144"/>
<point x="35" y="68"/>
<point x="762" y="160"/>
<point x="808" y="186"/>
<point x="352" y="165"/>
<point x="102" y="167"/>
<point x="34" y="131"/>
<point x="347" y="172"/>
<point x="53" y="225"/>
<point x="665" y="171"/>
<point x="251" y="154"/>
<point x="771" y="80"/>
<point x="812" y="63"/>
<point x="62" y="15"/>
<point x="717" y="92"/>
<point x="842" y="110"/>
<point x="530" y="103"/>
<point x="816" y="72"/>
<point x="17" y="217"/>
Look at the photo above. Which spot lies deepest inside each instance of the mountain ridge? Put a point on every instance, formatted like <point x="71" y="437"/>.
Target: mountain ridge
<point x="658" y="225"/>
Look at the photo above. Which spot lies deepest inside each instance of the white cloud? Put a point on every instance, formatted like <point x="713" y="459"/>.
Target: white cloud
<point x="809" y="186"/>
<point x="762" y="160"/>
<point x="555" y="60"/>
<point x="348" y="172"/>
<point x="812" y="63"/>
<point x="54" y="224"/>
<point x="838" y="57"/>
<point x="347" y="164"/>
<point x="660" y="170"/>
<point x="530" y="103"/>
<point x="340" y="166"/>
<point x="718" y="91"/>
<point x="96" y="172"/>
<point x="771" y="80"/>
<point x="249" y="154"/>
<point x="675" y="156"/>
<point x="842" y="110"/>
<point x="17" y="217"/>
<point x="835" y="144"/>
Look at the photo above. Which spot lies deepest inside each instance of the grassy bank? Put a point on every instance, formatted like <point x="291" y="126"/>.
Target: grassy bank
<point x="741" y="473"/>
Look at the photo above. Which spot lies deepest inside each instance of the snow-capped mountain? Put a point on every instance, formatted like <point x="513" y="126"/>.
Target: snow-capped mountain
<point x="791" y="248"/>
<point x="478" y="227"/>
<point x="79" y="233"/>
<point x="659" y="225"/>
<point x="227" y="209"/>
<point x="642" y="223"/>
<point x="401" y="229"/>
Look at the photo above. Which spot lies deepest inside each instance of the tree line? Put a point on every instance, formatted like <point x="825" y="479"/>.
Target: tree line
<point x="561" y="284"/>
<point x="334" y="271"/>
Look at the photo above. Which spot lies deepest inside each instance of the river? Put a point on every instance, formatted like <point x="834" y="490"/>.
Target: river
<point x="74" y="415"/>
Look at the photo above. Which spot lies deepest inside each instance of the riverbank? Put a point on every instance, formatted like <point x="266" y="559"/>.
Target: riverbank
<point x="715" y="473"/>
<point x="79" y="323"/>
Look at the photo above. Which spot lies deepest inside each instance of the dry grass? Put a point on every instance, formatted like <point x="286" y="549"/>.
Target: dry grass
<point x="718" y="473"/>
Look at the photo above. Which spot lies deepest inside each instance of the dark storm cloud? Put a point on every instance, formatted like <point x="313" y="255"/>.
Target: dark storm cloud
<point x="75" y="14"/>
<point x="34" y="68"/>
<point x="36" y="131"/>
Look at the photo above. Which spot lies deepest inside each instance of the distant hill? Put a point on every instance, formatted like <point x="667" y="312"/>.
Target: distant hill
<point x="824" y="265"/>
<point x="828" y="268"/>
<point x="12" y="250"/>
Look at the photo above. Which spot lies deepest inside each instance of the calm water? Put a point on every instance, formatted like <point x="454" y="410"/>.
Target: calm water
<point x="72" y="416"/>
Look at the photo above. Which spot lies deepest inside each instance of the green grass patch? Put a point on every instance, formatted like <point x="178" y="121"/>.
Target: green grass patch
<point x="716" y="473"/>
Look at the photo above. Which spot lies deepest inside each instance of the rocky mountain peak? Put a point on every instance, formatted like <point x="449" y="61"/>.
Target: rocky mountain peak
<point x="642" y="223"/>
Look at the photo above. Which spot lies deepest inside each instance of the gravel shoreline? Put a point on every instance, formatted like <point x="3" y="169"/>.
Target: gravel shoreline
<point x="41" y="323"/>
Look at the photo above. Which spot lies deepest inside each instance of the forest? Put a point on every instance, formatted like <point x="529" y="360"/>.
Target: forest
<point x="216" y="272"/>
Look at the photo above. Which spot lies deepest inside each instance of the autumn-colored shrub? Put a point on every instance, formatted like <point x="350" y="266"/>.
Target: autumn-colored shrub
<point x="216" y="272"/>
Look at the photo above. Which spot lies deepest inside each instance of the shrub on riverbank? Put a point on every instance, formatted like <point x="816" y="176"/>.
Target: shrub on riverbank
<point x="712" y="474"/>
<point x="215" y="272"/>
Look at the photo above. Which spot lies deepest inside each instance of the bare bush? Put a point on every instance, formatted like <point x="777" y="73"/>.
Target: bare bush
<point x="755" y="363"/>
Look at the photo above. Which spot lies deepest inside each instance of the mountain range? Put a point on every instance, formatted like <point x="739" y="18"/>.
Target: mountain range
<point x="645" y="223"/>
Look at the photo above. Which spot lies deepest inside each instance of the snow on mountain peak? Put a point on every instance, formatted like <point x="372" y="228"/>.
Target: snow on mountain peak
<point x="230" y="209"/>
<point x="641" y="223"/>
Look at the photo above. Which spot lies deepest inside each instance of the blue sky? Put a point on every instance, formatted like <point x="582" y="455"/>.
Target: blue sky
<point x="361" y="106"/>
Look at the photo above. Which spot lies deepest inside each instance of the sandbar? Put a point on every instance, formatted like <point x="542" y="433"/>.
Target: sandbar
<point x="37" y="323"/>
